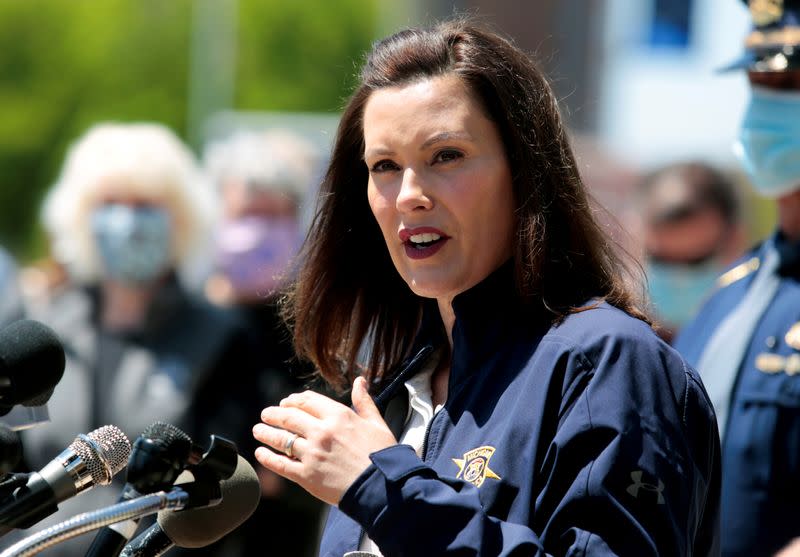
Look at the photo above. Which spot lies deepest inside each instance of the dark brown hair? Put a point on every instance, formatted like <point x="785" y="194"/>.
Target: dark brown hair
<point x="348" y="293"/>
<point x="679" y="191"/>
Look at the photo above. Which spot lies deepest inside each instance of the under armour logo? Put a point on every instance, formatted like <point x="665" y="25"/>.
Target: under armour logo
<point x="638" y="485"/>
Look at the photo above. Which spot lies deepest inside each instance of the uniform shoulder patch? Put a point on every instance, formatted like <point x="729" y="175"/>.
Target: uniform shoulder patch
<point x="474" y="467"/>
<point x="738" y="272"/>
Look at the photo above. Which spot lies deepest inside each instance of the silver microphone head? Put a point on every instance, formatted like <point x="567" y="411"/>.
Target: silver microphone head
<point x="105" y="452"/>
<point x="90" y="460"/>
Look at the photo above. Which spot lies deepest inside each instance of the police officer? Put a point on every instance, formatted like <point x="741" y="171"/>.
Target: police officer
<point x="746" y="339"/>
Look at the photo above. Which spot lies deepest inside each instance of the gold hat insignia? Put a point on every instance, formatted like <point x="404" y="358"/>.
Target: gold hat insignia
<point x="765" y="12"/>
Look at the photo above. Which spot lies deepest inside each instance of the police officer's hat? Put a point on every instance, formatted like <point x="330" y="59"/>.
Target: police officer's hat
<point x="774" y="43"/>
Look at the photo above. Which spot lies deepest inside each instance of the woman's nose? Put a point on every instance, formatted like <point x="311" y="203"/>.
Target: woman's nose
<point x="414" y="194"/>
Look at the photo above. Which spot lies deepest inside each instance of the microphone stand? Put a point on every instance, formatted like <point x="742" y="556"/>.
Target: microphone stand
<point x="175" y="499"/>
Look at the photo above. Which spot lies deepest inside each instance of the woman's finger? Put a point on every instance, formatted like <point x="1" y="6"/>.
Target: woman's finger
<point x="290" y="418"/>
<point x="312" y="403"/>
<point x="286" y="442"/>
<point x="282" y="465"/>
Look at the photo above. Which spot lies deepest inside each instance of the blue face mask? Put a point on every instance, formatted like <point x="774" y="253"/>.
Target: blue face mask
<point x="134" y="242"/>
<point x="676" y="291"/>
<point x="769" y="141"/>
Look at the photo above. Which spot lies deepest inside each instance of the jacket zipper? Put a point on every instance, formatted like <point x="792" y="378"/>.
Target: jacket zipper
<point x="425" y="439"/>
<point x="382" y="398"/>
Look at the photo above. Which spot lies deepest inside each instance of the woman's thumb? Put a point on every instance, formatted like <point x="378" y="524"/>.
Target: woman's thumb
<point x="362" y="402"/>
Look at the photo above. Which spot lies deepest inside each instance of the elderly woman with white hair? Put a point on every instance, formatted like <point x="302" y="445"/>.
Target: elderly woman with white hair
<point x="129" y="219"/>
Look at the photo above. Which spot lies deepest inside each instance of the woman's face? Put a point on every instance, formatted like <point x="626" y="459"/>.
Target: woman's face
<point x="439" y="185"/>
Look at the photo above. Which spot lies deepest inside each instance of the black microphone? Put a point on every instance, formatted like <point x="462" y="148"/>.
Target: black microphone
<point x="10" y="450"/>
<point x="31" y="364"/>
<point x="158" y="457"/>
<point x="193" y="528"/>
<point x="90" y="460"/>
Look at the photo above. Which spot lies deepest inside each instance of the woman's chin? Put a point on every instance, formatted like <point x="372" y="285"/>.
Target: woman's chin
<point x="431" y="288"/>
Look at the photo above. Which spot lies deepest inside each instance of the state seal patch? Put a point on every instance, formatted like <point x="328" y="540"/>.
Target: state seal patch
<point x="474" y="467"/>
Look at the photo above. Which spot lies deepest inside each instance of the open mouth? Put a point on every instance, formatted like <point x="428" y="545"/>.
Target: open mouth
<point x="422" y="243"/>
<point x="426" y="240"/>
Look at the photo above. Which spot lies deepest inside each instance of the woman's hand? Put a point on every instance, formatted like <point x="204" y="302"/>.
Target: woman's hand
<point x="791" y="550"/>
<point x="322" y="445"/>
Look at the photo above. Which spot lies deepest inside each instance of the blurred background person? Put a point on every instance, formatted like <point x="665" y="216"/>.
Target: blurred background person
<point x="129" y="218"/>
<point x="692" y="231"/>
<point x="263" y="178"/>
<point x="746" y="340"/>
<point x="11" y="307"/>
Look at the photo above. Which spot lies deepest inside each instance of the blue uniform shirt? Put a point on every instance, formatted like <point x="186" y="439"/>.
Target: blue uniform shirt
<point x="761" y="445"/>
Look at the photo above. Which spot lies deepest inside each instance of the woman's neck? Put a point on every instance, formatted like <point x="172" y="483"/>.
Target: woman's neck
<point x="441" y="377"/>
<point x="448" y="317"/>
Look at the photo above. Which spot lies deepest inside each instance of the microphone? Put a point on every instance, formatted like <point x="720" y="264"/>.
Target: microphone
<point x="90" y="460"/>
<point x="31" y="364"/>
<point x="158" y="457"/>
<point x="193" y="528"/>
<point x="10" y="450"/>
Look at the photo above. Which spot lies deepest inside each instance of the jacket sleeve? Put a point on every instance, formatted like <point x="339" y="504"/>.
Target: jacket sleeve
<point x="632" y="470"/>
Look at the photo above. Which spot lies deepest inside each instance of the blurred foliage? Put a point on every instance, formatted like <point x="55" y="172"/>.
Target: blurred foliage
<point x="66" y="64"/>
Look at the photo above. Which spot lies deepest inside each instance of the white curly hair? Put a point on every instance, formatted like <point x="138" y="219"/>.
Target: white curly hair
<point x="277" y="160"/>
<point x="143" y="160"/>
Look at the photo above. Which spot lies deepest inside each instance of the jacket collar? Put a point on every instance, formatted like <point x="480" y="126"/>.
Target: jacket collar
<point x="487" y="315"/>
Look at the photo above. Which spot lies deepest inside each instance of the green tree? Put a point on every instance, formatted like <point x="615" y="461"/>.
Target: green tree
<point x="66" y="64"/>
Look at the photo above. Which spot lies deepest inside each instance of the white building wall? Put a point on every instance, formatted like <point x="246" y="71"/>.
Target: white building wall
<point x="657" y="106"/>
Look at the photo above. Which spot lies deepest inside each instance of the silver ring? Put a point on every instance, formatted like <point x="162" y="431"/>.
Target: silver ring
<point x="287" y="448"/>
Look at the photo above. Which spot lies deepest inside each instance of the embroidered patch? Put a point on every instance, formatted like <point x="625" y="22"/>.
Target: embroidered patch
<point x="474" y="467"/>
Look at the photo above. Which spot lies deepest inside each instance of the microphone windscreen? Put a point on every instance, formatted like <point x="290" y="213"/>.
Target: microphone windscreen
<point x="31" y="360"/>
<point x="166" y="433"/>
<point x="193" y="528"/>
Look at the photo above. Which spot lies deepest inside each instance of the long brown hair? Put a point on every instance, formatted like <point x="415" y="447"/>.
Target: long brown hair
<point x="348" y="295"/>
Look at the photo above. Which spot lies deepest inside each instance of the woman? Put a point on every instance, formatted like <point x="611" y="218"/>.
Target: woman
<point x="129" y="218"/>
<point x="536" y="412"/>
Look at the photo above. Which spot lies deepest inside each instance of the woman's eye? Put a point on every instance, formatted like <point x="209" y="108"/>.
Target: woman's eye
<point x="383" y="166"/>
<point x="447" y="156"/>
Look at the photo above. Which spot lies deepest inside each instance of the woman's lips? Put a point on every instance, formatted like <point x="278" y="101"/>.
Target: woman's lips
<point x="422" y="242"/>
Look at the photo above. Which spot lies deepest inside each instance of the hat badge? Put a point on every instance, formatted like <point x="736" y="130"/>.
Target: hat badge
<point x="765" y="12"/>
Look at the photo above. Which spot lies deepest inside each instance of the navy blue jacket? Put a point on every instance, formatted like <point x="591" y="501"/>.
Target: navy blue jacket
<point x="588" y="438"/>
<point x="761" y="448"/>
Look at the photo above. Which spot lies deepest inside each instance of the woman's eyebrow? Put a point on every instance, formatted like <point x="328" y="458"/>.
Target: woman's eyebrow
<point x="378" y="151"/>
<point x="445" y="136"/>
